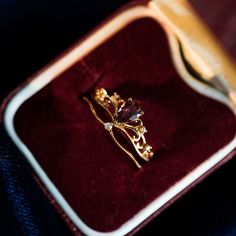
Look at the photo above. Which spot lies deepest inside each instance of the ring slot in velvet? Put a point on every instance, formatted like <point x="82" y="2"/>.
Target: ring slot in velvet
<point x="97" y="179"/>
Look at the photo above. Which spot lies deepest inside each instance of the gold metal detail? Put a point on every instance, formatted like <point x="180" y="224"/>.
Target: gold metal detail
<point x="130" y="124"/>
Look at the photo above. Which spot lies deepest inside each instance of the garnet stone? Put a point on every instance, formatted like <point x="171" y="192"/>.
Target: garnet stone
<point x="131" y="111"/>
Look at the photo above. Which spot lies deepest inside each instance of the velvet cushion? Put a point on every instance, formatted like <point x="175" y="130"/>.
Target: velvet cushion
<point x="97" y="179"/>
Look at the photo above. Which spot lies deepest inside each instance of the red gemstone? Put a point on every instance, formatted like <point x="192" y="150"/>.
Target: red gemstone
<point x="131" y="111"/>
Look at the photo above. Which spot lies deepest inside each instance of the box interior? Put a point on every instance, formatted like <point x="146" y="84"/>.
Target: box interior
<point x="97" y="179"/>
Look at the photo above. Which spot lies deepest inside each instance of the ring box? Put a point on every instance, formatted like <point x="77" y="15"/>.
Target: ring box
<point x="160" y="54"/>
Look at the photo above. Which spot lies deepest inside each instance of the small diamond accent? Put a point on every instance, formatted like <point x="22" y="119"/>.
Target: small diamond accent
<point x="108" y="126"/>
<point x="143" y="130"/>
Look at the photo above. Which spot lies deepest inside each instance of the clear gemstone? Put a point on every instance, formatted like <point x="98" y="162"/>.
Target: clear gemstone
<point x="143" y="130"/>
<point x="108" y="126"/>
<point x="148" y="151"/>
<point x="147" y="148"/>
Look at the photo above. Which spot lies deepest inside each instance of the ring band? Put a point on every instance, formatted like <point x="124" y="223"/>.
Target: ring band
<point x="125" y="116"/>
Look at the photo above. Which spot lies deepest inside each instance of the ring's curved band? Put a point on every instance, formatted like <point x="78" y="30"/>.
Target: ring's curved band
<point x="125" y="116"/>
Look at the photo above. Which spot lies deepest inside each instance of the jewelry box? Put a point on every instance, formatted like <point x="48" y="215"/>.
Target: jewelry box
<point x="160" y="53"/>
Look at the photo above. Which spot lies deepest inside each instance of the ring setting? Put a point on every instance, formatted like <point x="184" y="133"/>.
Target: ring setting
<point x="125" y="115"/>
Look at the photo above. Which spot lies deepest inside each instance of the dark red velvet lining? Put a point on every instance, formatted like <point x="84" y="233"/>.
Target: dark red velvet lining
<point x="97" y="179"/>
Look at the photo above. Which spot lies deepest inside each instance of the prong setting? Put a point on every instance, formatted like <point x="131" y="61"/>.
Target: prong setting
<point x="126" y="117"/>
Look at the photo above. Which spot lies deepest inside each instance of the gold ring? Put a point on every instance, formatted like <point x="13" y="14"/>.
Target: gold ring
<point x="125" y="116"/>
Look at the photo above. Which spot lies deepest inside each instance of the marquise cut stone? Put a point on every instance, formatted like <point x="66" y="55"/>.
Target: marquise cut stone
<point x="131" y="111"/>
